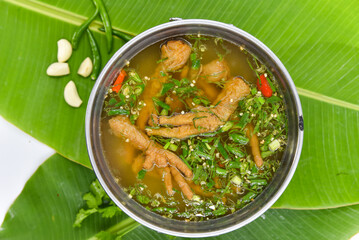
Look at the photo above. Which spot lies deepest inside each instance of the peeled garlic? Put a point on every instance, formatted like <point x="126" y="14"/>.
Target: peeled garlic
<point x="64" y="50"/>
<point x="58" y="69"/>
<point x="85" y="68"/>
<point x="71" y="95"/>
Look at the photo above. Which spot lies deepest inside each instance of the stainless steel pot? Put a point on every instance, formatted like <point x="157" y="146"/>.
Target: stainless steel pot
<point x="290" y="157"/>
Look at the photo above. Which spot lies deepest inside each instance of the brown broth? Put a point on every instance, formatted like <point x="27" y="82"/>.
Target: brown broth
<point x="120" y="154"/>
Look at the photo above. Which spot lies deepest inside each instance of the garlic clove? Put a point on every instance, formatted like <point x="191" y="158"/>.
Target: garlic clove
<point x="85" y="68"/>
<point x="71" y="95"/>
<point x="58" y="69"/>
<point x="64" y="50"/>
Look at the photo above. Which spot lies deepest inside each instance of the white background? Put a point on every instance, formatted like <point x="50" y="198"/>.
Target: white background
<point x="20" y="156"/>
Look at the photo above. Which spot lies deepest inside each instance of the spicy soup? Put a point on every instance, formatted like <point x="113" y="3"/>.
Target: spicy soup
<point x="194" y="128"/>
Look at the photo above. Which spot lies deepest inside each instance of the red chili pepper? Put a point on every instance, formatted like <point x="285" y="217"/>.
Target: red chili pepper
<point x="263" y="86"/>
<point x="118" y="83"/>
<point x="221" y="165"/>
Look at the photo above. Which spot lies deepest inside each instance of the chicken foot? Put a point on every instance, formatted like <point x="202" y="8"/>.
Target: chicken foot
<point x="175" y="54"/>
<point x="154" y="154"/>
<point x="202" y="119"/>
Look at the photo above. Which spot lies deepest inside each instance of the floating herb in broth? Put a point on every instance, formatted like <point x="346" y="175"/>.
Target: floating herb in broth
<point x="193" y="133"/>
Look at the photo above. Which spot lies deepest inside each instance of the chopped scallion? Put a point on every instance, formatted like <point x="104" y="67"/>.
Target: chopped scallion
<point x="228" y="125"/>
<point x="173" y="147"/>
<point x="274" y="145"/>
<point x="161" y="104"/>
<point x="113" y="112"/>
<point x="221" y="171"/>
<point x="238" y="138"/>
<point x="236" y="180"/>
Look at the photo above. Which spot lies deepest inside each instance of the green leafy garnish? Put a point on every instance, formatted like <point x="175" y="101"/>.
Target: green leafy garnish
<point x="161" y="104"/>
<point x="141" y="174"/>
<point x="97" y="201"/>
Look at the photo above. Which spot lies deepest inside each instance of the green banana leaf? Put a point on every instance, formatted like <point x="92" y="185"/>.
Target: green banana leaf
<point x="47" y="209"/>
<point x="28" y="97"/>
<point x="316" y="40"/>
<point x="47" y="206"/>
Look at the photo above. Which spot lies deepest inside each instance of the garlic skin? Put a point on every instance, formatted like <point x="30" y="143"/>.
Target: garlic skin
<point x="71" y="95"/>
<point x="85" y="68"/>
<point x="58" y="69"/>
<point x="64" y="50"/>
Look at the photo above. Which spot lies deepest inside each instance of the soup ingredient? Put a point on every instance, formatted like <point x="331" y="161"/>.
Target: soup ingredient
<point x="202" y="119"/>
<point x="95" y="56"/>
<point x="122" y="127"/>
<point x="64" y="50"/>
<point x="274" y="145"/>
<point x="215" y="71"/>
<point x="58" y="69"/>
<point x="174" y="55"/>
<point x="182" y="183"/>
<point x="82" y="28"/>
<point x="254" y="143"/>
<point x="263" y="86"/>
<point x="106" y="22"/>
<point x="124" y="95"/>
<point x="155" y="154"/>
<point x="124" y="36"/>
<point x="166" y="173"/>
<point x="85" y="68"/>
<point x="71" y="95"/>
<point x="118" y="83"/>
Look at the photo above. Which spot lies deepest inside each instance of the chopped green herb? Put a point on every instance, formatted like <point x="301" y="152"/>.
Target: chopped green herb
<point x="203" y="154"/>
<point x="164" y="112"/>
<point x="220" y="211"/>
<point x="266" y="154"/>
<point x="163" y="105"/>
<point x="195" y="61"/>
<point x="254" y="91"/>
<point x="165" y="209"/>
<point x="274" y="99"/>
<point x="243" y="121"/>
<point x="248" y="197"/>
<point x="260" y="100"/>
<point x="235" y="151"/>
<point x="162" y="59"/>
<point x="236" y="180"/>
<point x="143" y="199"/>
<point x="222" y="151"/>
<point x="238" y="138"/>
<point x="228" y="125"/>
<point x="112" y="101"/>
<point x="234" y="164"/>
<point x="119" y="111"/>
<point x="274" y="145"/>
<point x="259" y="182"/>
<point x="166" y="87"/>
<point x="221" y="171"/>
<point x="173" y="147"/>
<point x="141" y="174"/>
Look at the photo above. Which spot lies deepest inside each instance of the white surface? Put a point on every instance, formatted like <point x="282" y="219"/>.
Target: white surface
<point x="20" y="156"/>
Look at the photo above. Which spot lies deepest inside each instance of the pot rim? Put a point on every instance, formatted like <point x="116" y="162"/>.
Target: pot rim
<point x="182" y="23"/>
